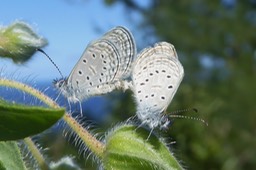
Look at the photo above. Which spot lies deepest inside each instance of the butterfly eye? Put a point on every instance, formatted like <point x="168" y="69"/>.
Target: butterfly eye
<point x="59" y="83"/>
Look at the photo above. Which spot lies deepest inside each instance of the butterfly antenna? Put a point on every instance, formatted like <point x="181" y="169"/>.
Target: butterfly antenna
<point x="189" y="117"/>
<point x="42" y="51"/>
<point x="183" y="111"/>
<point x="175" y="114"/>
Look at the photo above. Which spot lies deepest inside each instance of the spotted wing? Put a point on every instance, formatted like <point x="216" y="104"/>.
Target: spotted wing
<point x="156" y="76"/>
<point x="98" y="66"/>
<point x="103" y="66"/>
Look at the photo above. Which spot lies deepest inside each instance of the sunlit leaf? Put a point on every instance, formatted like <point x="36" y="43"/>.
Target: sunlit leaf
<point x="128" y="148"/>
<point x="10" y="157"/>
<point x="19" y="121"/>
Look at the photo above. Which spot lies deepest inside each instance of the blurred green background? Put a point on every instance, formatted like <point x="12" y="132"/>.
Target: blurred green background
<point x="216" y="43"/>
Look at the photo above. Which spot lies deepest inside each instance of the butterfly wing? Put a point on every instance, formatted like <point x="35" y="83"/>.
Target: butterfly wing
<point x="124" y="42"/>
<point x="103" y="65"/>
<point x="98" y="65"/>
<point x="156" y="76"/>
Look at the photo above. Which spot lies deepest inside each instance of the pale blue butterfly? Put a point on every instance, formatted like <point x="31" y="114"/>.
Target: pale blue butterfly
<point x="156" y="76"/>
<point x="102" y="67"/>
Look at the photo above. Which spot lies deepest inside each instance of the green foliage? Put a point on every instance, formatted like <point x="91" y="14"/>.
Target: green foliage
<point x="19" y="42"/>
<point x="128" y="148"/>
<point x="20" y="121"/>
<point x="10" y="157"/>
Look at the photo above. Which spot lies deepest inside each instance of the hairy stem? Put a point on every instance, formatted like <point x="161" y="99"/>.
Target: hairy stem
<point x="36" y="154"/>
<point x="92" y="143"/>
<point x="30" y="90"/>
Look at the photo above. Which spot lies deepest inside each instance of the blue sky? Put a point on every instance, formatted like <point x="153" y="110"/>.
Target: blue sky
<point x="68" y="25"/>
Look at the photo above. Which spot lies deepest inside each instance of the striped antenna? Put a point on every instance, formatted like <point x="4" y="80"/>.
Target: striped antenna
<point x="189" y="117"/>
<point x="183" y="111"/>
<point x="42" y="51"/>
<point x="174" y="114"/>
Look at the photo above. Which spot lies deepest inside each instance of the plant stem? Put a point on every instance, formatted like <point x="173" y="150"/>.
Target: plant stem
<point x="36" y="154"/>
<point x="25" y="88"/>
<point x="92" y="143"/>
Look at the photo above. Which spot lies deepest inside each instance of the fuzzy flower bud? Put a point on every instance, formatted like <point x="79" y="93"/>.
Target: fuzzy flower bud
<point x="19" y="42"/>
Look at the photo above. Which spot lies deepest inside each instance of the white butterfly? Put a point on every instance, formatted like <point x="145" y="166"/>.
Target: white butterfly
<point x="102" y="68"/>
<point x="156" y="76"/>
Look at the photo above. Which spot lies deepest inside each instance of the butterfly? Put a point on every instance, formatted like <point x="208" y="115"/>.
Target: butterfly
<point x="156" y="76"/>
<point x="103" y="66"/>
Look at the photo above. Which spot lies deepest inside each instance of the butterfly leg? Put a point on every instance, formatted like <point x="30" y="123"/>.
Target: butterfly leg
<point x="151" y="131"/>
<point x="81" y="108"/>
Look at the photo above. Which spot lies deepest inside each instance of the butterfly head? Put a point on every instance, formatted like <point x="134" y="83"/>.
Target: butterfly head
<point x="66" y="89"/>
<point x="59" y="83"/>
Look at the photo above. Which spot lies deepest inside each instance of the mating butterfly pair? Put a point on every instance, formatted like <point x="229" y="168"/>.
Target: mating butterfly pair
<point x="108" y="62"/>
